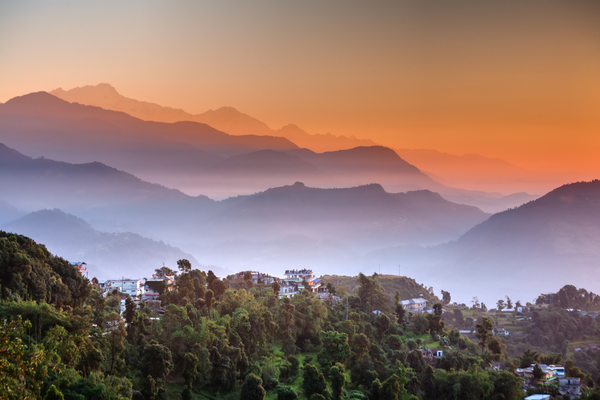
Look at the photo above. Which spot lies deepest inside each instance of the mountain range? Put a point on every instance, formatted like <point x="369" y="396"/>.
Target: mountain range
<point x="345" y="221"/>
<point x="469" y="171"/>
<point x="539" y="246"/>
<point x="199" y="159"/>
<point x="226" y="119"/>
<point x="357" y="209"/>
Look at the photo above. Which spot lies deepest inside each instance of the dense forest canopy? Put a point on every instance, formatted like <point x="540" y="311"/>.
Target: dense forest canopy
<point x="61" y="337"/>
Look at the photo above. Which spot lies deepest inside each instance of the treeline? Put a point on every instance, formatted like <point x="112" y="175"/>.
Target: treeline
<point x="571" y="297"/>
<point x="219" y="342"/>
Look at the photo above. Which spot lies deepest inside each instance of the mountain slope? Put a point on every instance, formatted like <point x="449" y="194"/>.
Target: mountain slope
<point x="42" y="124"/>
<point x="38" y="183"/>
<point x="476" y="172"/>
<point x="226" y="119"/>
<point x="537" y="247"/>
<point x="365" y="216"/>
<point x="107" y="254"/>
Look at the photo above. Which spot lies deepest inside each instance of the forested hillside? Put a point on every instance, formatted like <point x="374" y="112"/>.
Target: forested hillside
<point x="62" y="338"/>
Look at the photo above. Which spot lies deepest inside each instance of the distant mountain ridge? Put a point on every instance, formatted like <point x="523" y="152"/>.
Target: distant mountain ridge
<point x="44" y="125"/>
<point x="105" y="253"/>
<point x="539" y="246"/>
<point x="288" y="221"/>
<point x="201" y="160"/>
<point x="226" y="119"/>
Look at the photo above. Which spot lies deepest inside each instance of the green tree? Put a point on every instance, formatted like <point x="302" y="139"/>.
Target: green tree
<point x="335" y="348"/>
<point x="286" y="393"/>
<point x="116" y="335"/>
<point x="538" y="373"/>
<point x="360" y="345"/>
<point x="382" y="324"/>
<point x="54" y="394"/>
<point x="436" y="325"/>
<point x="484" y="332"/>
<point x="18" y="362"/>
<point x="500" y="305"/>
<point x="252" y="388"/>
<point x="276" y="287"/>
<point x="400" y="313"/>
<point x="390" y="388"/>
<point x="130" y="309"/>
<point x="338" y="380"/>
<point x="313" y="381"/>
<point x="184" y="266"/>
<point x="446" y="297"/>
<point x="371" y="292"/>
<point x="190" y="368"/>
<point x="157" y="361"/>
<point x="458" y="317"/>
<point x="209" y="296"/>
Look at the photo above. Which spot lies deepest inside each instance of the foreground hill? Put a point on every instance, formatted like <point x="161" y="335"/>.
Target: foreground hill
<point x="226" y="119"/>
<point x="105" y="253"/>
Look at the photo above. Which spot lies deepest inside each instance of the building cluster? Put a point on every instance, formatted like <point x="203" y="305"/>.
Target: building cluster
<point x="148" y="289"/>
<point x="297" y="280"/>
<point x="552" y="374"/>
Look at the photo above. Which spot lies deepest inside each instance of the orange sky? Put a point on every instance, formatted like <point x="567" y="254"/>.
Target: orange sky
<point x="518" y="80"/>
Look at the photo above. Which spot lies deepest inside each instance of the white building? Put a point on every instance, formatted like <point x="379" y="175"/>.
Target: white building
<point x="414" y="305"/>
<point x="293" y="283"/>
<point x="132" y="287"/>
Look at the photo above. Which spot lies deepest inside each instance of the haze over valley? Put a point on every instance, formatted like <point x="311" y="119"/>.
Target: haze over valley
<point x="300" y="200"/>
<point x="266" y="137"/>
<point x="122" y="185"/>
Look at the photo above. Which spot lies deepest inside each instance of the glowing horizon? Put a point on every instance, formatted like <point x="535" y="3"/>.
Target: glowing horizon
<point x="512" y="80"/>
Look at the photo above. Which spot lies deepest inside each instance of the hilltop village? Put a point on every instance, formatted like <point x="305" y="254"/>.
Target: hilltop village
<point x="187" y="334"/>
<point x="295" y="281"/>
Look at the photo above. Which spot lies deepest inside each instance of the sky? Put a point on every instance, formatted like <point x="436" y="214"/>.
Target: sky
<point x="519" y="80"/>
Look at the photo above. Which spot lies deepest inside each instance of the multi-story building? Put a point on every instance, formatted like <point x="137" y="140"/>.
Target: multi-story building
<point x="132" y="287"/>
<point x="153" y="286"/>
<point x="297" y="280"/>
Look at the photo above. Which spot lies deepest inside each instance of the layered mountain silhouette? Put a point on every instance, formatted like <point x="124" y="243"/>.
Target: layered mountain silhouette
<point x="39" y="183"/>
<point x="537" y="247"/>
<point x="476" y="172"/>
<point x="226" y="119"/>
<point x="201" y="160"/>
<point x="106" y="254"/>
<point x="275" y="222"/>
<point x="42" y="124"/>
